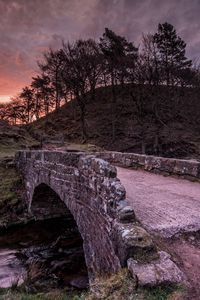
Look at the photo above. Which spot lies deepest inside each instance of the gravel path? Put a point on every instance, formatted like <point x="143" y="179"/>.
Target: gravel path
<point x="164" y="205"/>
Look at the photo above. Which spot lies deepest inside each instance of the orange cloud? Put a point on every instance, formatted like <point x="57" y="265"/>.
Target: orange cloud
<point x="10" y="86"/>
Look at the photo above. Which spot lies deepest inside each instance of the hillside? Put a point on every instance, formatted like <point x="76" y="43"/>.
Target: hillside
<point x="13" y="138"/>
<point x="176" y="133"/>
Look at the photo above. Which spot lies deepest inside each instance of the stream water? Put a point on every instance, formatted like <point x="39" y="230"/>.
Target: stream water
<point x="43" y="254"/>
<point x="11" y="268"/>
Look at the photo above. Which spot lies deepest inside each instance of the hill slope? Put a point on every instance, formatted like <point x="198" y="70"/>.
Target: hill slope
<point x="13" y="138"/>
<point x="176" y="133"/>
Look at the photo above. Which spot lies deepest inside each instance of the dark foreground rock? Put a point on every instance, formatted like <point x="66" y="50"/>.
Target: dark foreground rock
<point x="161" y="271"/>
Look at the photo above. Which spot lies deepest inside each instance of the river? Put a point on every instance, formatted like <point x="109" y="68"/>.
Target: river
<point x="43" y="255"/>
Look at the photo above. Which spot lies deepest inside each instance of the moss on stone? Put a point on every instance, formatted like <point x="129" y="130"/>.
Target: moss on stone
<point x="116" y="286"/>
<point x="122" y="286"/>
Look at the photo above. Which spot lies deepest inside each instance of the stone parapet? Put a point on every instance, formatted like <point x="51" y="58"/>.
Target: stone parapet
<point x="189" y="169"/>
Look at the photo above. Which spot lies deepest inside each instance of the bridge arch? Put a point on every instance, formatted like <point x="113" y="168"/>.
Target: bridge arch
<point x="92" y="228"/>
<point x="47" y="204"/>
<point x="90" y="190"/>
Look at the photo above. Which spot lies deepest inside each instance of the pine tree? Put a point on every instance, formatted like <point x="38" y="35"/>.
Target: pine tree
<point x="171" y="50"/>
<point x="118" y="54"/>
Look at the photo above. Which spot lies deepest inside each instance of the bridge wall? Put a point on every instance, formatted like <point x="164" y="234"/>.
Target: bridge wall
<point x="89" y="187"/>
<point x="91" y="191"/>
<point x="189" y="169"/>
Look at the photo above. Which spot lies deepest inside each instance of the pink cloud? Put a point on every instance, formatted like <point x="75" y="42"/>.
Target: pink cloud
<point x="28" y="28"/>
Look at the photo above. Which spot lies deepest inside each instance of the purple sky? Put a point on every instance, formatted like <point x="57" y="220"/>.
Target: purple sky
<point x="28" y="27"/>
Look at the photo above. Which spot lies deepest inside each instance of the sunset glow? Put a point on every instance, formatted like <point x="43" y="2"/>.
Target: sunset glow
<point x="5" y="98"/>
<point x="28" y="29"/>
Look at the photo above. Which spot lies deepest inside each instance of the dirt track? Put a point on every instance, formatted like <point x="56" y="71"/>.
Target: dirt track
<point x="164" y="205"/>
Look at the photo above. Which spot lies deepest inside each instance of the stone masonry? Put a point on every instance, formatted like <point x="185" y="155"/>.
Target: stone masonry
<point x="188" y="169"/>
<point x="90" y="189"/>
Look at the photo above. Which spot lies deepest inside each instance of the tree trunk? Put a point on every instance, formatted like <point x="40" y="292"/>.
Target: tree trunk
<point x="157" y="145"/>
<point x="37" y="108"/>
<point x="93" y="94"/>
<point x="143" y="136"/>
<point x="57" y="92"/>
<point x="143" y="147"/>
<point x="113" y="108"/>
<point x="83" y="125"/>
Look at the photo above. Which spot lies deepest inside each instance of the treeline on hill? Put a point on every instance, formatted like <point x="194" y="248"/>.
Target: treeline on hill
<point x="159" y="69"/>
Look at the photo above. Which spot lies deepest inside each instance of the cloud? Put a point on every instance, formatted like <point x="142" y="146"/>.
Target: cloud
<point x="27" y="28"/>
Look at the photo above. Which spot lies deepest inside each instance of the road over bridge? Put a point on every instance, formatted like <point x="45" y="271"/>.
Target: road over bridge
<point x="168" y="204"/>
<point x="164" y="205"/>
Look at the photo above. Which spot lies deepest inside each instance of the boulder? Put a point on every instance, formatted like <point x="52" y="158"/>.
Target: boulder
<point x="160" y="271"/>
<point x="133" y="242"/>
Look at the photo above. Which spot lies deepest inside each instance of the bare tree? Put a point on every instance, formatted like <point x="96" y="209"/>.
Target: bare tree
<point x="117" y="52"/>
<point x="52" y="68"/>
<point x="81" y="72"/>
<point x="27" y="98"/>
<point x="43" y="95"/>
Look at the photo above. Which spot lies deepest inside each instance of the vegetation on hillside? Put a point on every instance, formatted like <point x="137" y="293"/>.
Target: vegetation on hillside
<point x="13" y="138"/>
<point x="154" y="86"/>
<point x="11" y="192"/>
<point x="178" y="136"/>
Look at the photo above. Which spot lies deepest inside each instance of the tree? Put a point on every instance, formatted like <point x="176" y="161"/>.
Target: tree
<point x="138" y="93"/>
<point x="173" y="68"/>
<point x="93" y="62"/>
<point x="171" y="53"/>
<point x="81" y="72"/>
<point x="27" y="98"/>
<point x="117" y="53"/>
<point x="52" y="68"/>
<point x="75" y="77"/>
<point x="149" y="61"/>
<point x="3" y="113"/>
<point x="16" y="111"/>
<point x="43" y="94"/>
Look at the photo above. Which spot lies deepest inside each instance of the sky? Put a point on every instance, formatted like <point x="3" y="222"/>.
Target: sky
<point x="30" y="27"/>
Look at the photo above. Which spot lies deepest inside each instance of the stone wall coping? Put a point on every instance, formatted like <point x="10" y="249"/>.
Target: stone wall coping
<point x="188" y="169"/>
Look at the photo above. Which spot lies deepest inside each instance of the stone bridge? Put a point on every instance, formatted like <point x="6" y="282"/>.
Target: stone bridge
<point x="89" y="189"/>
<point x="166" y="199"/>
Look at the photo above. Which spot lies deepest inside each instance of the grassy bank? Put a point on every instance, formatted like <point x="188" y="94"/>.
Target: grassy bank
<point x="9" y="294"/>
<point x="11" y="193"/>
<point x="117" y="287"/>
<point x="13" y="138"/>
